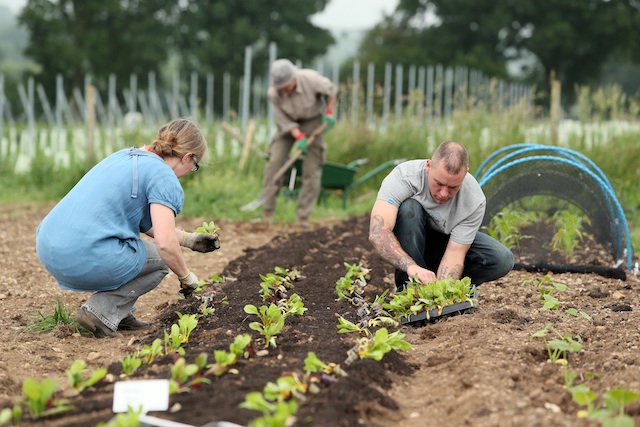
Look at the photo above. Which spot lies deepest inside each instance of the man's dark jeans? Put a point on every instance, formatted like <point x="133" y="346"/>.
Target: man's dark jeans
<point x="486" y="260"/>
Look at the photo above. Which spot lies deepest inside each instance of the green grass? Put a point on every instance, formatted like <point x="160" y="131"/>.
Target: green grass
<point x="46" y="323"/>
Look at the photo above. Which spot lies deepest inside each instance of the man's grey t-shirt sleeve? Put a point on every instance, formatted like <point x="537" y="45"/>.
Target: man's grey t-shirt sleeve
<point x="399" y="185"/>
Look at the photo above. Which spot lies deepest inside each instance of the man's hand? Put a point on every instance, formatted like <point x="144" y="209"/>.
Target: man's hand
<point x="301" y="142"/>
<point x="188" y="284"/>
<point x="328" y="117"/>
<point x="200" y="242"/>
<point x="423" y="275"/>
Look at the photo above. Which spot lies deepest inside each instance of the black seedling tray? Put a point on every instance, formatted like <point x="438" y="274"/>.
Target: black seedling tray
<point x="447" y="309"/>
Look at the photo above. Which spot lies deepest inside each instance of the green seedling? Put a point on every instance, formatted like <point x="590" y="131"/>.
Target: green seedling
<point x="550" y="302"/>
<point x="215" y="278"/>
<point x="224" y="360"/>
<point x="313" y="364"/>
<point x="557" y="349"/>
<point x="506" y="226"/>
<point x="375" y="348"/>
<point x="186" y="324"/>
<point x="241" y="346"/>
<point x="77" y="379"/>
<point x="610" y="412"/>
<point x="346" y="326"/>
<point x="38" y="398"/>
<point x="206" y="310"/>
<point x="130" y="418"/>
<point x="574" y="312"/>
<point x="272" y="287"/>
<point x="184" y="376"/>
<point x="292" y="307"/>
<point x="274" y="414"/>
<point x="150" y="352"/>
<point x="47" y="323"/>
<point x="290" y="275"/>
<point x="8" y="415"/>
<point x="352" y="284"/>
<point x="173" y="341"/>
<point x="208" y="227"/>
<point x="271" y="322"/>
<point x="130" y="364"/>
<point x="570" y="234"/>
<point x="544" y="284"/>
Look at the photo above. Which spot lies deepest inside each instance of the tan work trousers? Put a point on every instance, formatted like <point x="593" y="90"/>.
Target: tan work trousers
<point x="313" y="160"/>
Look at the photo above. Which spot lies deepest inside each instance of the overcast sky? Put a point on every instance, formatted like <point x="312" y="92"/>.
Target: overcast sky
<point x="338" y="15"/>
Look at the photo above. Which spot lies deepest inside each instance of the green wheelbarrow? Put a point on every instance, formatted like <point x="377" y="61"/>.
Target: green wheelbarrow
<point x="336" y="176"/>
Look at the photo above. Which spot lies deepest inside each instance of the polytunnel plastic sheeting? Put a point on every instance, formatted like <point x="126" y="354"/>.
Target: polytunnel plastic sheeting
<point x="567" y="177"/>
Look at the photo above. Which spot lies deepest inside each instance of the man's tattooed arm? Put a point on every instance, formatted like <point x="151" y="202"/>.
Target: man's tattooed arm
<point x="445" y="272"/>
<point x="387" y="244"/>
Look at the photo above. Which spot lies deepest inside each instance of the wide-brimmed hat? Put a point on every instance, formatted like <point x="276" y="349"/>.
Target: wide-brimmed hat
<point x="282" y="73"/>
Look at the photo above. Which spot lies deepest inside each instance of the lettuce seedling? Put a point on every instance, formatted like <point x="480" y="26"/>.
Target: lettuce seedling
<point x="186" y="325"/>
<point x="150" y="352"/>
<point x="130" y="364"/>
<point x="76" y="378"/>
<point x="38" y="398"/>
<point x="271" y="322"/>
<point x="184" y="376"/>
<point x="208" y="227"/>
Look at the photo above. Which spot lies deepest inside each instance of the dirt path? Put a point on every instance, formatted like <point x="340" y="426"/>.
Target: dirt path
<point x="482" y="369"/>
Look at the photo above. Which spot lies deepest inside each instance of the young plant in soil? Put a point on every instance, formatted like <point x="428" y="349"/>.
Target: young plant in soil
<point x="271" y="322"/>
<point x="15" y="414"/>
<point x="279" y="400"/>
<point x="569" y="232"/>
<point x="330" y="372"/>
<point x="240" y="347"/>
<point x="294" y="306"/>
<point x="130" y="364"/>
<point x="610" y="412"/>
<point x="274" y="286"/>
<point x="75" y="374"/>
<point x="150" y="352"/>
<point x="38" y="398"/>
<point x="130" y="418"/>
<point x="184" y="376"/>
<point x="506" y="225"/>
<point x="375" y="348"/>
<point x="558" y="348"/>
<point x="351" y="285"/>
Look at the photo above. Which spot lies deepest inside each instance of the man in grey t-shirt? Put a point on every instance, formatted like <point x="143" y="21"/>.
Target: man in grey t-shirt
<point x="426" y="218"/>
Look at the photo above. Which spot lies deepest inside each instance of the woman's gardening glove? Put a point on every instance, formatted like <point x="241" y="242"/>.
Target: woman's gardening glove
<point x="200" y="242"/>
<point x="328" y="117"/>
<point x="301" y="142"/>
<point x="188" y="284"/>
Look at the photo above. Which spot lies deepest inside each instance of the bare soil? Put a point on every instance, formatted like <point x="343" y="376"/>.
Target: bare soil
<point x="481" y="368"/>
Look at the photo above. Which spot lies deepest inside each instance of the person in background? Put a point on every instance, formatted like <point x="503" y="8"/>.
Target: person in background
<point x="426" y="218"/>
<point x="90" y="241"/>
<point x="302" y="99"/>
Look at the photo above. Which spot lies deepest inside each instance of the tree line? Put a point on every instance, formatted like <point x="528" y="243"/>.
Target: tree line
<point x="509" y="39"/>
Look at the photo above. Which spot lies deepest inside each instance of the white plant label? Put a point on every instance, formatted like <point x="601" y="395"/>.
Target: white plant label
<point x="151" y="395"/>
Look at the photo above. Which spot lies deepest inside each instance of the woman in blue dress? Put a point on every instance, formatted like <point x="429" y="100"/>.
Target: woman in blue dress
<point x="91" y="240"/>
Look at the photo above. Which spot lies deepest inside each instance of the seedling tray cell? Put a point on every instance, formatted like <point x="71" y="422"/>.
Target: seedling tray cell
<point x="446" y="310"/>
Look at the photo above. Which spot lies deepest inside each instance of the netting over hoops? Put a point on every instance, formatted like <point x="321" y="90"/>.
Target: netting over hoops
<point x="549" y="178"/>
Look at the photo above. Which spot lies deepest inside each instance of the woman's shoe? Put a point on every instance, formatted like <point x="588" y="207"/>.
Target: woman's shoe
<point x="130" y="323"/>
<point x="91" y="323"/>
